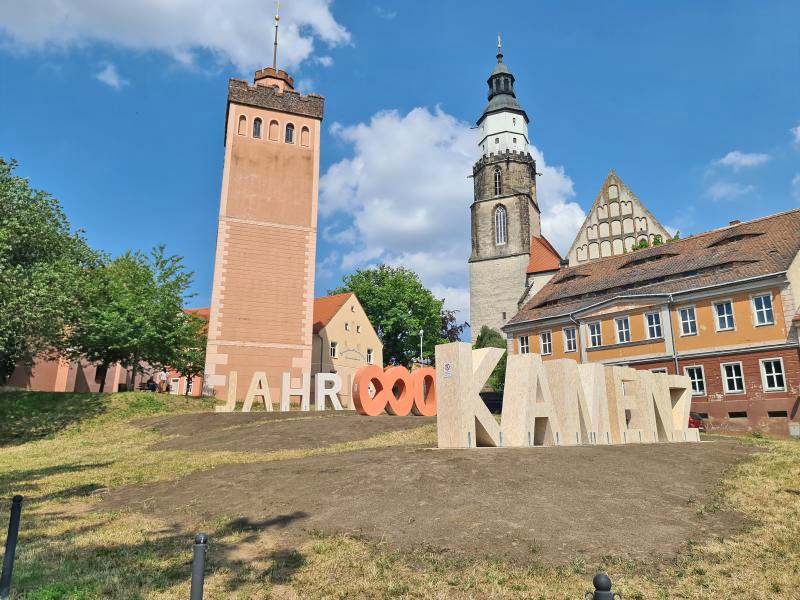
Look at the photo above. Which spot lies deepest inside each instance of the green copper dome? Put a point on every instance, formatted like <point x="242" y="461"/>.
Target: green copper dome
<point x="501" y="91"/>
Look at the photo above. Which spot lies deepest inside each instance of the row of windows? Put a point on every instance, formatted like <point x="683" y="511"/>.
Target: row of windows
<point x="772" y="377"/>
<point x="274" y="131"/>
<point x="762" y="315"/>
<point x="724" y="321"/>
<point x="334" y="350"/>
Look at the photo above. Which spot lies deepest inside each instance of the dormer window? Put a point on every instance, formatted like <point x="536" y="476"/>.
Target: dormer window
<point x="498" y="182"/>
<point x="500" y="226"/>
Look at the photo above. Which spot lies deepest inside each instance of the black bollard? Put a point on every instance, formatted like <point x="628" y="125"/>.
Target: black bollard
<point x="602" y="589"/>
<point x="11" y="546"/>
<point x="199" y="548"/>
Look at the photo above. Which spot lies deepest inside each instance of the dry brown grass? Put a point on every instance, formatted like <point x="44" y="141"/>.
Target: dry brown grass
<point x="67" y="550"/>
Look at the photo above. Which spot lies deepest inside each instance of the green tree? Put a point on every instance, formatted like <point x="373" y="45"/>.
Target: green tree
<point x="43" y="270"/>
<point x="399" y="306"/>
<point x="134" y="312"/>
<point x="491" y="338"/>
<point x="190" y="356"/>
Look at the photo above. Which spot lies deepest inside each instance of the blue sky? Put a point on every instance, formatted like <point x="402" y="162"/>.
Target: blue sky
<point x="118" y="109"/>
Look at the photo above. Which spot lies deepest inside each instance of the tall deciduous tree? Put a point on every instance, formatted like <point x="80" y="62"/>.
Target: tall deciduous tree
<point x="491" y="338"/>
<point x="135" y="314"/>
<point x="43" y="269"/>
<point x="190" y="356"/>
<point x="399" y="306"/>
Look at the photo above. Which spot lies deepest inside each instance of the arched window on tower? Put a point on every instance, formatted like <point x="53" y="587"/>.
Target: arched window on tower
<point x="305" y="137"/>
<point x="256" y="128"/>
<point x="289" y="139"/>
<point x="500" y="226"/>
<point x="498" y="182"/>
<point x="242" y="125"/>
<point x="274" y="130"/>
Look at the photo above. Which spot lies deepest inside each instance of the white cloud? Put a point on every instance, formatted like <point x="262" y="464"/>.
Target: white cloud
<point x="405" y="193"/>
<point x="796" y="187"/>
<point x="723" y="190"/>
<point x="385" y="14"/>
<point x="235" y="31"/>
<point x="796" y="134"/>
<point x="111" y="77"/>
<point x="325" y="61"/>
<point x="742" y="160"/>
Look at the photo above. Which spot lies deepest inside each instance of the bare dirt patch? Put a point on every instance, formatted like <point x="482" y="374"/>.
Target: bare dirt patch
<point x="549" y="505"/>
<point x="270" y="431"/>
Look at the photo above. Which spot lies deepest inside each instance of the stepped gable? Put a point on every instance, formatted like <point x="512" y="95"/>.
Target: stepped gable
<point x="751" y="249"/>
<point x="616" y="221"/>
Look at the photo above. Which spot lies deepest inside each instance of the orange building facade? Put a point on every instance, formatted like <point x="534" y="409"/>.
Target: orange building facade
<point x="720" y="307"/>
<point x="263" y="290"/>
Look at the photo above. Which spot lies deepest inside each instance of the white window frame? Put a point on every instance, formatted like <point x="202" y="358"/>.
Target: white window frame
<point x="764" y="385"/>
<point x="370" y="356"/>
<point x="657" y="314"/>
<point x="334" y="350"/>
<point x="567" y="340"/>
<point x="725" y="378"/>
<point x="500" y="225"/>
<point x="694" y="319"/>
<point x="755" y="310"/>
<point x="716" y="315"/>
<point x="591" y="335"/>
<point x="549" y="344"/>
<point x="627" y="329"/>
<point x="524" y="344"/>
<point x="702" y="378"/>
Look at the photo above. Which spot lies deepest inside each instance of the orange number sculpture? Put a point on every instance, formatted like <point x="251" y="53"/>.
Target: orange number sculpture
<point x="410" y="396"/>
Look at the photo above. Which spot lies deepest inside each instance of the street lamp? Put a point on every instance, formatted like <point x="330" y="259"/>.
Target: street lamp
<point x="420" y="346"/>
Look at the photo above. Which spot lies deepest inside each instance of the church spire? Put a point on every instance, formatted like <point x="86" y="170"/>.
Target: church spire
<point x="499" y="49"/>
<point x="275" y="46"/>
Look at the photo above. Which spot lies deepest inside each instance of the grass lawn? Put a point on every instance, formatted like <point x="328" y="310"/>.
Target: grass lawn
<point x="62" y="451"/>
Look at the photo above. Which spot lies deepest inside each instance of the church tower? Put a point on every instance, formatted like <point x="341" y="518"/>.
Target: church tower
<point x="262" y="299"/>
<point x="505" y="213"/>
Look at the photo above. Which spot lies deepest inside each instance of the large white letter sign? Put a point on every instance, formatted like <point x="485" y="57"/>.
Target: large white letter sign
<point x="230" y="405"/>
<point x="304" y="392"/>
<point x="529" y="418"/>
<point x="462" y="419"/>
<point x="574" y="414"/>
<point x="258" y="387"/>
<point x="322" y="390"/>
<point x="593" y="378"/>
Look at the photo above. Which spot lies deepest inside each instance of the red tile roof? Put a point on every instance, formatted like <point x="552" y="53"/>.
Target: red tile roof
<point x="752" y="249"/>
<point x="201" y="313"/>
<point x="543" y="256"/>
<point x="326" y="307"/>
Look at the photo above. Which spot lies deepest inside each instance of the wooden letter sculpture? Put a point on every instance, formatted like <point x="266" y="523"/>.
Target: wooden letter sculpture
<point x="529" y="417"/>
<point x="462" y="419"/>
<point x="557" y="403"/>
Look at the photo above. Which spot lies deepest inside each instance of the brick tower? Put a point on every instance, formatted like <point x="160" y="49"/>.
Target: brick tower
<point x="263" y="292"/>
<point x="505" y="214"/>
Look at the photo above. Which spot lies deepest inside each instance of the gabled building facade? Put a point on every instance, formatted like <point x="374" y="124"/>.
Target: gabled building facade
<point x="344" y="341"/>
<point x="616" y="223"/>
<point x="720" y="307"/>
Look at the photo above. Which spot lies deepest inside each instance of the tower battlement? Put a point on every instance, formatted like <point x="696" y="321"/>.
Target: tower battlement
<point x="270" y="97"/>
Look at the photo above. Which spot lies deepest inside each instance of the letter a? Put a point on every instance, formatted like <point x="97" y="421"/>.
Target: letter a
<point x="529" y="417"/>
<point x="258" y="387"/>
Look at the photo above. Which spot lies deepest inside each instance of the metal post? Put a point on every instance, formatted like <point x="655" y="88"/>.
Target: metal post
<point x="420" y="347"/>
<point x="200" y="548"/>
<point x="11" y="546"/>
<point x="602" y="589"/>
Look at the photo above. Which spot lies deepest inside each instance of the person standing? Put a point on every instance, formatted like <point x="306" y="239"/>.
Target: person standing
<point x="162" y="381"/>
